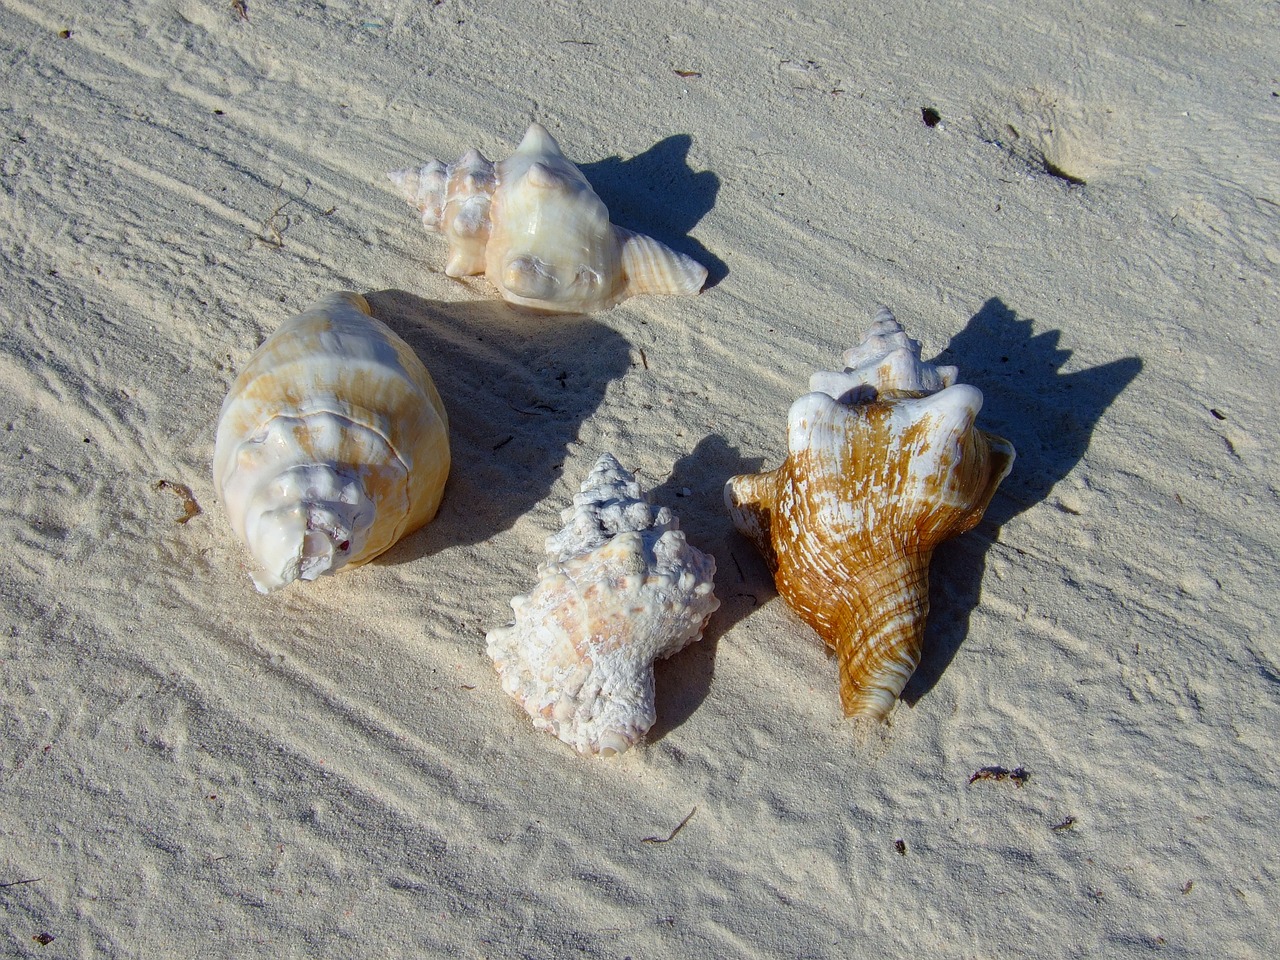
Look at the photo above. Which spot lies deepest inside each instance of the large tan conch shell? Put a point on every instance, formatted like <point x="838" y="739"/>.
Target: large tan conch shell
<point x="332" y="444"/>
<point x="535" y="228"/>
<point x="620" y="588"/>
<point x="883" y="464"/>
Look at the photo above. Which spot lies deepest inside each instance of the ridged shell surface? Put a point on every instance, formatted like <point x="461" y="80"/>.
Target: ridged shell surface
<point x="886" y="360"/>
<point x="332" y="444"/>
<point x="870" y="486"/>
<point x="536" y="229"/>
<point x="454" y="201"/>
<point x="619" y="589"/>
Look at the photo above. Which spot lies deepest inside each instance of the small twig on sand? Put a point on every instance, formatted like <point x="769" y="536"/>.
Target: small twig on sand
<point x="1018" y="775"/>
<point x="679" y="827"/>
<point x="271" y="230"/>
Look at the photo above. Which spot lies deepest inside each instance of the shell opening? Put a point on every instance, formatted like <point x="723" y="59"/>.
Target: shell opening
<point x="310" y="521"/>
<point x="611" y="744"/>
<point x="327" y="543"/>
<point x="317" y="555"/>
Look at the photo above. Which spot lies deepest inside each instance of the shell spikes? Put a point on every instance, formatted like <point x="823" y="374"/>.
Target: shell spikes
<point x="619" y="589"/>
<point x="879" y="471"/>
<point x="535" y="228"/>
<point x="332" y="444"/>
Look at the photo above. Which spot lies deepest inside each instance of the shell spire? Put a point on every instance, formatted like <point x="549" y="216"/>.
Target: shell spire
<point x="872" y="483"/>
<point x="332" y="444"/>
<point x="538" y="141"/>
<point x="887" y="359"/>
<point x="536" y="229"/>
<point x="454" y="201"/>
<point x="619" y="589"/>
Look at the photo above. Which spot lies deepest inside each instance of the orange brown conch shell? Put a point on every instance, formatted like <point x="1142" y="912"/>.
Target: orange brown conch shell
<point x="881" y="468"/>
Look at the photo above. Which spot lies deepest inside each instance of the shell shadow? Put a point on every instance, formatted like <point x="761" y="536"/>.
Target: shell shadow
<point x="742" y="580"/>
<point x="656" y="192"/>
<point x="516" y="389"/>
<point x="1049" y="417"/>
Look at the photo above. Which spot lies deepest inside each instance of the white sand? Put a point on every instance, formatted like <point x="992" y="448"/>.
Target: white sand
<point x="190" y="769"/>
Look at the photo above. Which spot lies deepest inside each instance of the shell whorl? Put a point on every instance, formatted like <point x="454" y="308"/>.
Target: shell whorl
<point x="454" y="200"/>
<point x="332" y="444"/>
<point x="871" y="484"/>
<point x="620" y="587"/>
<point x="536" y="229"/>
<point x="608" y="502"/>
<point x="886" y="360"/>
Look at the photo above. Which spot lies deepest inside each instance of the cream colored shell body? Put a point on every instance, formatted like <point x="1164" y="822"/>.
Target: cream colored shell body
<point x="536" y="229"/>
<point x="332" y="444"/>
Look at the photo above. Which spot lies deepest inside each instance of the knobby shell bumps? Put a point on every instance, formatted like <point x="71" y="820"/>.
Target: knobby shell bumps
<point x="883" y="464"/>
<point x="332" y="444"/>
<point x="535" y="228"/>
<point x="620" y="588"/>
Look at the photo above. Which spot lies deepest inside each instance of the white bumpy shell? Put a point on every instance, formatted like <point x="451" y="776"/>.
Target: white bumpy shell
<point x="332" y="444"/>
<point x="620" y="588"/>
<point x="535" y="228"/>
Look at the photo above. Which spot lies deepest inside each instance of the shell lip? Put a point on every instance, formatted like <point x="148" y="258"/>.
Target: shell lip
<point x="303" y="539"/>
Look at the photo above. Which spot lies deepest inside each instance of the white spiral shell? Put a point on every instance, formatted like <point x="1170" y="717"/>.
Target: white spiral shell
<point x="535" y="228"/>
<point x="332" y="444"/>
<point x="620" y="588"/>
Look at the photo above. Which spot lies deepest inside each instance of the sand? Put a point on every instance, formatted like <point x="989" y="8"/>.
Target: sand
<point x="1089" y="233"/>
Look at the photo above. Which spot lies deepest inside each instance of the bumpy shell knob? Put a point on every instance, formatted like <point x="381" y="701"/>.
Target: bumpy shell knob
<point x="332" y="444"/>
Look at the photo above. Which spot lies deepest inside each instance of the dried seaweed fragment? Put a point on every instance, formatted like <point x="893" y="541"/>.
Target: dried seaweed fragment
<point x="180" y="490"/>
<point x="1018" y="775"/>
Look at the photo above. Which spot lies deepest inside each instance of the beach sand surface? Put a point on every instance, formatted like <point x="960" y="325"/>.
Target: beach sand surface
<point x="189" y="768"/>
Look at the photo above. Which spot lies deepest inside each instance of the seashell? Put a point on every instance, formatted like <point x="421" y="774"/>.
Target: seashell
<point x="535" y="228"/>
<point x="620" y="588"/>
<point x="332" y="444"/>
<point x="886" y="360"/>
<point x="883" y="464"/>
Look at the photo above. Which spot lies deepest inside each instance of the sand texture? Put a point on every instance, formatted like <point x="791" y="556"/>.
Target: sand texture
<point x="188" y="768"/>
